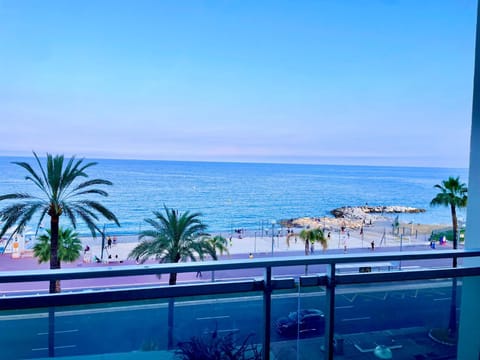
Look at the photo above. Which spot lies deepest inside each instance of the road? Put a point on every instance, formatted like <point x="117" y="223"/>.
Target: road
<point x="135" y="326"/>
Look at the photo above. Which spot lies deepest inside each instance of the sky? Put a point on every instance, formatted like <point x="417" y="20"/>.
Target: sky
<point x="329" y="82"/>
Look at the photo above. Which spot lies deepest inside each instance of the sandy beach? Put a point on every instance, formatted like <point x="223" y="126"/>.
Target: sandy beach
<point x="380" y="232"/>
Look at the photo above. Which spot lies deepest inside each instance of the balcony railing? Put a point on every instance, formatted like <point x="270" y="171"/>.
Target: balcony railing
<point x="325" y="285"/>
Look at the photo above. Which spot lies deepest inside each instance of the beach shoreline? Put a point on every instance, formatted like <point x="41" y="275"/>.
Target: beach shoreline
<point x="256" y="243"/>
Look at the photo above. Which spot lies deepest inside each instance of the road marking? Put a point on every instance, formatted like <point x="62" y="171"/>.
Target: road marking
<point x="352" y="299"/>
<point x="441" y="299"/>
<point x="357" y="319"/>
<point x="220" y="331"/>
<point x="344" y="307"/>
<point x="56" y="347"/>
<point x="213" y="317"/>
<point x="59" y="332"/>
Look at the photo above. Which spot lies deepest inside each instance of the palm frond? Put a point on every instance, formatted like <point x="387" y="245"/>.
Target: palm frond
<point x="100" y="209"/>
<point x="16" y="196"/>
<point x="44" y="175"/>
<point x="92" y="183"/>
<point x="93" y="191"/>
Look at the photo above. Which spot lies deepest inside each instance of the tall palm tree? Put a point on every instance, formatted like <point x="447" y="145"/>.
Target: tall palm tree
<point x="175" y="237"/>
<point x="453" y="194"/>
<point x="69" y="246"/>
<point x="311" y="236"/>
<point x="62" y="192"/>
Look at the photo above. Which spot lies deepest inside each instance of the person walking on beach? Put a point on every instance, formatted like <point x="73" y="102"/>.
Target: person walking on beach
<point x="373" y="245"/>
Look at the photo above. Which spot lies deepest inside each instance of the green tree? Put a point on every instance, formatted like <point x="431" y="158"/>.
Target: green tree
<point x="63" y="191"/>
<point x="312" y="236"/>
<point x="69" y="246"/>
<point x="219" y="244"/>
<point x="175" y="237"/>
<point x="453" y="194"/>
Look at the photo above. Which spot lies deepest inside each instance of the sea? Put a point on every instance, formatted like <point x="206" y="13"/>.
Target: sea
<point x="247" y="196"/>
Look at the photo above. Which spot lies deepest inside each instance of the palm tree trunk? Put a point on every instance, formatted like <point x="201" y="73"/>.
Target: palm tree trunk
<point x="452" y="323"/>
<point x="170" y="322"/>
<point x="51" y="331"/>
<point x="54" y="261"/>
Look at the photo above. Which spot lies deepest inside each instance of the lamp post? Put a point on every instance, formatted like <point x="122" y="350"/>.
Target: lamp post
<point x="401" y="245"/>
<point x="255" y="244"/>
<point x="273" y="234"/>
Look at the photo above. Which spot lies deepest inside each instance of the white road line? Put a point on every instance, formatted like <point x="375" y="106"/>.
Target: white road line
<point x="213" y="317"/>
<point x="220" y="331"/>
<point x="56" y="347"/>
<point x="59" y="332"/>
<point x="357" y="319"/>
<point x="441" y="299"/>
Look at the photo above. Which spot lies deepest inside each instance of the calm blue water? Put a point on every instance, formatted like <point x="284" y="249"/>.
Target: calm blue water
<point x="236" y="195"/>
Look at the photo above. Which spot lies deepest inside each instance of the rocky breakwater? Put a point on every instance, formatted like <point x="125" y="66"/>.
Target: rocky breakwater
<point x="371" y="212"/>
<point x="350" y="217"/>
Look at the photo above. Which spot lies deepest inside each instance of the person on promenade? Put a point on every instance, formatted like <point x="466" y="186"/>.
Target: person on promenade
<point x="109" y="242"/>
<point x="372" y="244"/>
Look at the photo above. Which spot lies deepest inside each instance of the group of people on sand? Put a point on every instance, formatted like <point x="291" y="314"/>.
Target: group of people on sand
<point x="87" y="256"/>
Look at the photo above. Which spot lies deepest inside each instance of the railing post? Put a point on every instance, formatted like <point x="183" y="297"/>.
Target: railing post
<point x="267" y="313"/>
<point x="330" y="312"/>
<point x="51" y="331"/>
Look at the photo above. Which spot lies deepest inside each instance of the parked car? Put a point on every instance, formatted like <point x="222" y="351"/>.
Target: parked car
<point x="307" y="321"/>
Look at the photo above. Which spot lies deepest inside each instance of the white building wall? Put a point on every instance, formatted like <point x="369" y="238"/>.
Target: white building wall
<point x="469" y="333"/>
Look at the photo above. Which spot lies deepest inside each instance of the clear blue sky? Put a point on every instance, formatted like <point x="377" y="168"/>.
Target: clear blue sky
<point x="358" y="82"/>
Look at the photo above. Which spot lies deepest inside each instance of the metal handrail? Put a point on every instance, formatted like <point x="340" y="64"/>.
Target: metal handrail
<point x="236" y="264"/>
<point x="265" y="285"/>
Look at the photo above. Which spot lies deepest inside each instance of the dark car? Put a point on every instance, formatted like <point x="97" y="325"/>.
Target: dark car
<point x="308" y="321"/>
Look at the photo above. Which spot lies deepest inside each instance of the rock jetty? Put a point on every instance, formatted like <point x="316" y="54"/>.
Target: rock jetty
<point x="350" y="217"/>
<point x="361" y="212"/>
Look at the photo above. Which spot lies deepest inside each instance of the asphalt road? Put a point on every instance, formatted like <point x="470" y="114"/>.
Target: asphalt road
<point x="143" y="325"/>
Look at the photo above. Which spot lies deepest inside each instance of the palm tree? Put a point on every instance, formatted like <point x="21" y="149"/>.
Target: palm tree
<point x="174" y="238"/>
<point x="453" y="194"/>
<point x="311" y="236"/>
<point x="219" y="243"/>
<point x="62" y="192"/>
<point x="69" y="246"/>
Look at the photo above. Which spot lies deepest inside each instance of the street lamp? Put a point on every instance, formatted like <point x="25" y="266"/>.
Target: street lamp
<point x="273" y="234"/>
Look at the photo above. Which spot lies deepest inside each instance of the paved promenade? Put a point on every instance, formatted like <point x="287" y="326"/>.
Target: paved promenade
<point x="239" y="247"/>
